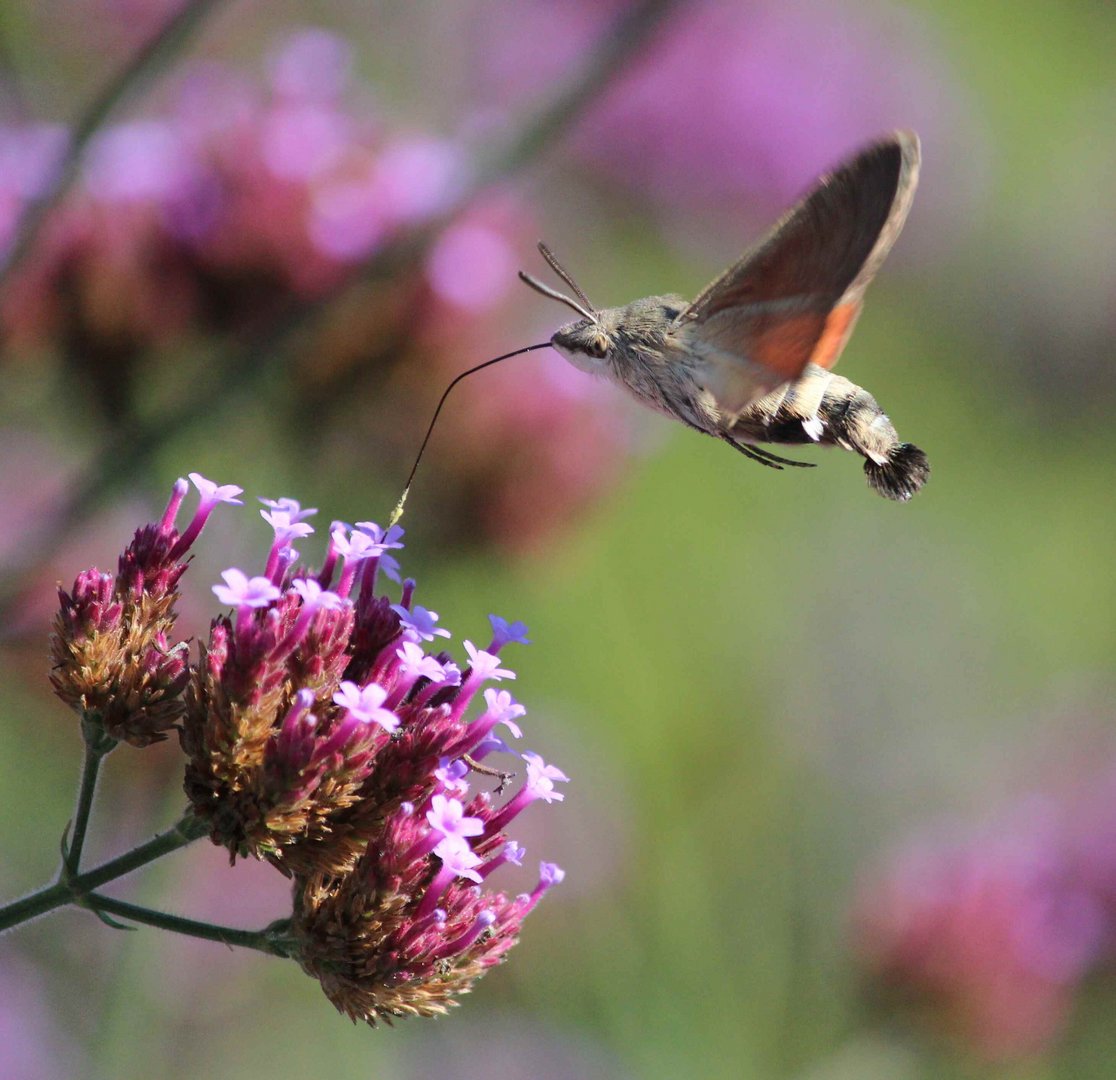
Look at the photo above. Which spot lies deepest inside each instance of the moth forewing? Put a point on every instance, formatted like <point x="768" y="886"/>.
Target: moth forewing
<point x="794" y="297"/>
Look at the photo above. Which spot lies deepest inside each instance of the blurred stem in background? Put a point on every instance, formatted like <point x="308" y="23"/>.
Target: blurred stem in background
<point x="132" y="445"/>
<point x="148" y="62"/>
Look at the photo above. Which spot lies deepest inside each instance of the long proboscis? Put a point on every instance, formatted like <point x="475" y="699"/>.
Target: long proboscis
<point x="397" y="513"/>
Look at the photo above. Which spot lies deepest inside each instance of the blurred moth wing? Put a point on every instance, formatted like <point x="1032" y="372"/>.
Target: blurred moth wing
<point x="794" y="298"/>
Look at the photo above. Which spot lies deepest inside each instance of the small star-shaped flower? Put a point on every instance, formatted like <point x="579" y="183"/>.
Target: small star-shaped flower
<point x="241" y="591"/>
<point x="420" y="621"/>
<point x="385" y="541"/>
<point x="504" y="709"/>
<point x="415" y="663"/>
<point x="354" y="546"/>
<point x="314" y="596"/>
<point x="447" y="816"/>
<point x="541" y="777"/>
<point x="286" y="527"/>
<point x="290" y="507"/>
<point x="364" y="704"/>
<point x="451" y="775"/>
<point x="212" y="493"/>
<point x="505" y="633"/>
<point x="485" y="665"/>
<point x="458" y="857"/>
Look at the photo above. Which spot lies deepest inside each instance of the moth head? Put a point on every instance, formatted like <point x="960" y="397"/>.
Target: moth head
<point x="585" y="343"/>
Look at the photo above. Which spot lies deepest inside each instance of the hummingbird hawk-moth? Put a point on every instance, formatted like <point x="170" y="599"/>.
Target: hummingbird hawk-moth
<point x="749" y="360"/>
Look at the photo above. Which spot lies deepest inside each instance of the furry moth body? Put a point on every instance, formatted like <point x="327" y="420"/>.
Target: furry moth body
<point x="748" y="361"/>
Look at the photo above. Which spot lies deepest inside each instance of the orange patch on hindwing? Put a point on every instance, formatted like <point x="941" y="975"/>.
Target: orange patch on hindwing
<point x="838" y="326"/>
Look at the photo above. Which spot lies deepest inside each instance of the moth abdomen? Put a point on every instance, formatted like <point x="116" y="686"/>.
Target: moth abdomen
<point x="825" y="408"/>
<point x="853" y="419"/>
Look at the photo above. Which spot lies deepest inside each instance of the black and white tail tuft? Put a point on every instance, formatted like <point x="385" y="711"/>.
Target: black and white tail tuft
<point x="904" y="472"/>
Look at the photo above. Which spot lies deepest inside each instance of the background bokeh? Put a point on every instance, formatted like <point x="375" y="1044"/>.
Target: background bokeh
<point x="843" y="800"/>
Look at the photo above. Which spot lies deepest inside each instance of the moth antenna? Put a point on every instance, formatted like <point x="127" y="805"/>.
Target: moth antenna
<point x="397" y="513"/>
<point x="564" y="274"/>
<point x="554" y="294"/>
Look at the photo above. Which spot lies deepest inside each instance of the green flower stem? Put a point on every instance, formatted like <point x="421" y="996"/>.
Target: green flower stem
<point x="142" y="66"/>
<point x="97" y="745"/>
<point x="73" y="888"/>
<point x="269" y="940"/>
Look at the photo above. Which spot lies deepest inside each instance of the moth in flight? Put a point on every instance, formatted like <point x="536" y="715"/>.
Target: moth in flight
<point x="749" y="360"/>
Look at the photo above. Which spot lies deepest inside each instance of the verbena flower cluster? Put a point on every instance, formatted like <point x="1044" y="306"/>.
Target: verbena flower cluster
<point x="327" y="731"/>
<point x="991" y="932"/>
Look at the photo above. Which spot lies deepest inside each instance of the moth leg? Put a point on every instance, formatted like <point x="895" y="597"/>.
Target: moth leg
<point x="750" y="452"/>
<point x="782" y="460"/>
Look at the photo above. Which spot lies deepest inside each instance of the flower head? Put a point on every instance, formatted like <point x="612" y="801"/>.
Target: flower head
<point x="992" y="931"/>
<point x="321" y="736"/>
<point x="115" y="660"/>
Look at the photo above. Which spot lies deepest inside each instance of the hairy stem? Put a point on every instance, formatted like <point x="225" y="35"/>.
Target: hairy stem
<point x="269" y="940"/>
<point x="97" y="745"/>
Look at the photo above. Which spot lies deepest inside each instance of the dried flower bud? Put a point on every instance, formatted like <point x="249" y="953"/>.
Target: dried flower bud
<point x="411" y="929"/>
<point x="111" y="647"/>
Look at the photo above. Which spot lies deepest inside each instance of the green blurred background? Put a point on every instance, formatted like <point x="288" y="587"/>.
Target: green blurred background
<point x="761" y="684"/>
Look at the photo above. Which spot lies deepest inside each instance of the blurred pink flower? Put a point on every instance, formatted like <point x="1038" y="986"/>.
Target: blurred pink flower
<point x="471" y="266"/>
<point x="992" y="931"/>
<point x="246" y="195"/>
<point x="734" y="103"/>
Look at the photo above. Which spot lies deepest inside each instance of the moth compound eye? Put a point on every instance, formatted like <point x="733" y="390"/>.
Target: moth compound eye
<point x="597" y="348"/>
